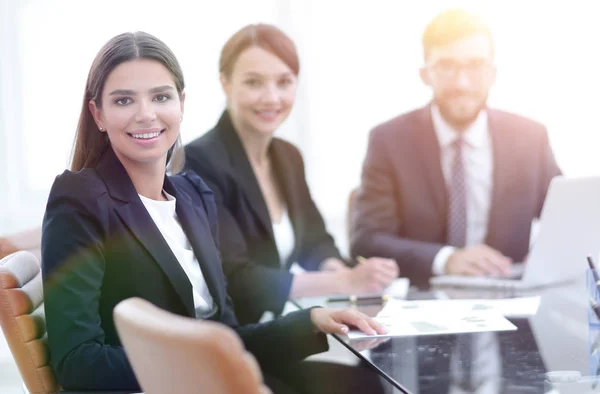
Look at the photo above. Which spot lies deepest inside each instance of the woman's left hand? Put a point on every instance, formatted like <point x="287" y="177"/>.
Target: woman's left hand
<point x="338" y="321"/>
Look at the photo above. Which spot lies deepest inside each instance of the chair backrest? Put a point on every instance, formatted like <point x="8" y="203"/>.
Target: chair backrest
<point x="351" y="198"/>
<point x="23" y="322"/>
<point x="30" y="240"/>
<point x="173" y="354"/>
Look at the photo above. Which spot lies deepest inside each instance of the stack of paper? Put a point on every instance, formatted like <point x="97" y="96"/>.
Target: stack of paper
<point x="509" y="307"/>
<point x="434" y="317"/>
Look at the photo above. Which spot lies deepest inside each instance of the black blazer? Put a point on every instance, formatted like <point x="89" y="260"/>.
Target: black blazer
<point x="400" y="210"/>
<point x="251" y="262"/>
<point x="100" y="246"/>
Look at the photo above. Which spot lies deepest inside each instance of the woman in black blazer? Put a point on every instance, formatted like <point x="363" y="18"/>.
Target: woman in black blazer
<point x="117" y="226"/>
<point x="267" y="217"/>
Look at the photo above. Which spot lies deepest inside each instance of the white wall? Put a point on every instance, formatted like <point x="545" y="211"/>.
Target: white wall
<point x="363" y="69"/>
<point x="47" y="49"/>
<point x="359" y="67"/>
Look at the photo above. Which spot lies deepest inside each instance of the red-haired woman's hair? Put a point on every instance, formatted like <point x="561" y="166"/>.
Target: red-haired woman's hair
<point x="264" y="36"/>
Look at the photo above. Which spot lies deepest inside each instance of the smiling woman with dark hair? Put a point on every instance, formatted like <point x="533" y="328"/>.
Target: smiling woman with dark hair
<point x="117" y="226"/>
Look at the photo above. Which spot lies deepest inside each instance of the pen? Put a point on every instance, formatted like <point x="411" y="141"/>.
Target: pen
<point x="596" y="348"/>
<point x="359" y="299"/>
<point x="353" y="299"/>
<point x="595" y="307"/>
<point x="593" y="268"/>
<point x="361" y="259"/>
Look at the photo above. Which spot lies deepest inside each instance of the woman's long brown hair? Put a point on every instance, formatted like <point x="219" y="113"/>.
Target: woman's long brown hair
<point x="90" y="143"/>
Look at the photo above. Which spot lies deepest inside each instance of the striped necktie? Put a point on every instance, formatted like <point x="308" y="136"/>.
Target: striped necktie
<point x="457" y="199"/>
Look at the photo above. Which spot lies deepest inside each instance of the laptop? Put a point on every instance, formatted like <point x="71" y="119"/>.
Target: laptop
<point x="569" y="231"/>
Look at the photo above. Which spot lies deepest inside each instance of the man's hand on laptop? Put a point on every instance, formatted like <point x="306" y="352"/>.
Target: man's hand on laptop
<point x="480" y="260"/>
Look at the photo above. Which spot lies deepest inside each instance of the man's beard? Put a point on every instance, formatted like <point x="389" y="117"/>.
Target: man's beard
<point x="459" y="121"/>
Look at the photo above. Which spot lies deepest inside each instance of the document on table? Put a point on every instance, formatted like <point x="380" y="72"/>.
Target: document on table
<point x="435" y="317"/>
<point x="509" y="307"/>
<point x="398" y="288"/>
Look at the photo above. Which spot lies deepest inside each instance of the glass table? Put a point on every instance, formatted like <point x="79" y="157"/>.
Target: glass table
<point x="555" y="351"/>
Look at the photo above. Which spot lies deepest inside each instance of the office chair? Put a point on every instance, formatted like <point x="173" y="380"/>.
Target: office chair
<point x="175" y="354"/>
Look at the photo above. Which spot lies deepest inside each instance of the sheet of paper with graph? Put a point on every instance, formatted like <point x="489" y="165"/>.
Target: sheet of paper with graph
<point x="410" y="318"/>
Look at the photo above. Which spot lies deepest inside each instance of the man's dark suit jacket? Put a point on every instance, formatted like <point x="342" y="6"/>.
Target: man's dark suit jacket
<point x="400" y="210"/>
<point x="100" y="246"/>
<point x="256" y="280"/>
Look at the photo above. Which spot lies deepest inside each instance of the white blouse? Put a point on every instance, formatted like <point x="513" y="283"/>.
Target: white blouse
<point x="284" y="237"/>
<point x="164" y="216"/>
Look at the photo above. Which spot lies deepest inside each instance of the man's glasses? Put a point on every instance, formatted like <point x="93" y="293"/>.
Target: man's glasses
<point x="448" y="69"/>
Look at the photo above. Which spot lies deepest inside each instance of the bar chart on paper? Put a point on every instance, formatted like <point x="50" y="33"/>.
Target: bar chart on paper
<point x="412" y="318"/>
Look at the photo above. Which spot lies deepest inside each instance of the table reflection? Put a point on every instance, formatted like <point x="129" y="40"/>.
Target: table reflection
<point x="556" y="347"/>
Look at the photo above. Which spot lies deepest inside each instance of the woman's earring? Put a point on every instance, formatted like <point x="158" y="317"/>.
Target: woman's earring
<point x="181" y="119"/>
<point x="100" y="128"/>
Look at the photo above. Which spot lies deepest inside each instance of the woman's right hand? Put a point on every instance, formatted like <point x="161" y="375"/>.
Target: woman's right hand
<point x="371" y="276"/>
<point x="331" y="321"/>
